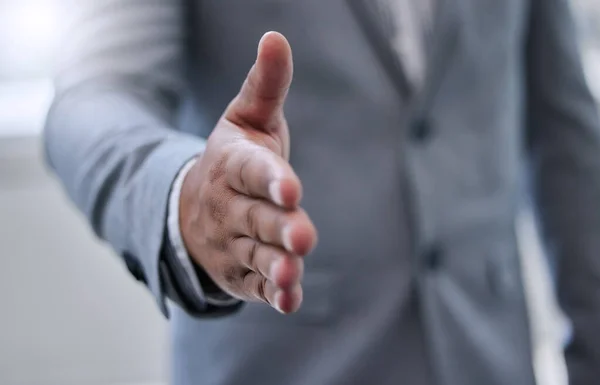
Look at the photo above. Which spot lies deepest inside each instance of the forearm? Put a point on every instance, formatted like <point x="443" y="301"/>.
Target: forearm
<point x="117" y="160"/>
<point x="109" y="133"/>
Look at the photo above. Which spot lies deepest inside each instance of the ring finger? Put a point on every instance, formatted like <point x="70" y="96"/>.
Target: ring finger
<point x="278" y="266"/>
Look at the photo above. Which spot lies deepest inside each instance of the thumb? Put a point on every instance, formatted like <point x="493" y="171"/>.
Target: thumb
<point x="260" y="101"/>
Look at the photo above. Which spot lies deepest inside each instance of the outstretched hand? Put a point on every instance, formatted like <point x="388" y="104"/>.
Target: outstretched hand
<point x="239" y="210"/>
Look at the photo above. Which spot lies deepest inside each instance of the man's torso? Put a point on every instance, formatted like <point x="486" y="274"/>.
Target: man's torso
<point x="413" y="191"/>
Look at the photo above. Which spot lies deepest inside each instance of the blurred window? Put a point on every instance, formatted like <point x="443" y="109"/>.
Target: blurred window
<point x="30" y="31"/>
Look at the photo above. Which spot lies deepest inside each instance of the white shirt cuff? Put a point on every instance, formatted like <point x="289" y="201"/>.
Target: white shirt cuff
<point x="178" y="245"/>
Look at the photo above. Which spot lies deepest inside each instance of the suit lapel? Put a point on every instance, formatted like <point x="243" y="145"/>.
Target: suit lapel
<point x="369" y="16"/>
<point x="439" y="48"/>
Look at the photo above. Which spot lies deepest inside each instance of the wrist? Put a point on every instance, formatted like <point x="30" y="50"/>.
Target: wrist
<point x="182" y="209"/>
<point x="187" y="207"/>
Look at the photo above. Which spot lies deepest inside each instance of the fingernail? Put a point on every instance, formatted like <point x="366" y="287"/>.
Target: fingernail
<point x="275" y="192"/>
<point x="275" y="267"/>
<point x="277" y="301"/>
<point x="286" y="234"/>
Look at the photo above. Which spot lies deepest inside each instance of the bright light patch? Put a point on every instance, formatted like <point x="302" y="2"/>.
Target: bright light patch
<point x="37" y="25"/>
<point x="29" y="35"/>
<point x="592" y="62"/>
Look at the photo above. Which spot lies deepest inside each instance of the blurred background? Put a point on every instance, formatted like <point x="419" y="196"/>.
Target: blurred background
<point x="70" y="313"/>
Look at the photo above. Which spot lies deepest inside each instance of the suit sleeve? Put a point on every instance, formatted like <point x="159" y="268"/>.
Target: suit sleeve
<point x="564" y="148"/>
<point x="109" y="134"/>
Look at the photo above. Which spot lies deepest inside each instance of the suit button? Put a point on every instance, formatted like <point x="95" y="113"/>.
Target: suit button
<point x="433" y="258"/>
<point x="421" y="131"/>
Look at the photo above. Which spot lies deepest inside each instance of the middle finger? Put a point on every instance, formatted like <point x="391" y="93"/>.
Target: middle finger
<point x="267" y="223"/>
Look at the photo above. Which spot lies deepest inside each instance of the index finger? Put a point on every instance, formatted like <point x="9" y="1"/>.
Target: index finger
<point x="258" y="172"/>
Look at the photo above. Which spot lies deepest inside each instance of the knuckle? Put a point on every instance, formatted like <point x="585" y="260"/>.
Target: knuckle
<point x="232" y="245"/>
<point x="244" y="250"/>
<point x="261" y="289"/>
<point x="255" y="286"/>
<point x="251" y="219"/>
<point x="253" y="249"/>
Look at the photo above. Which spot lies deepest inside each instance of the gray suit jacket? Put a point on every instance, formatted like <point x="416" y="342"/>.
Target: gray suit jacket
<point x="416" y="278"/>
